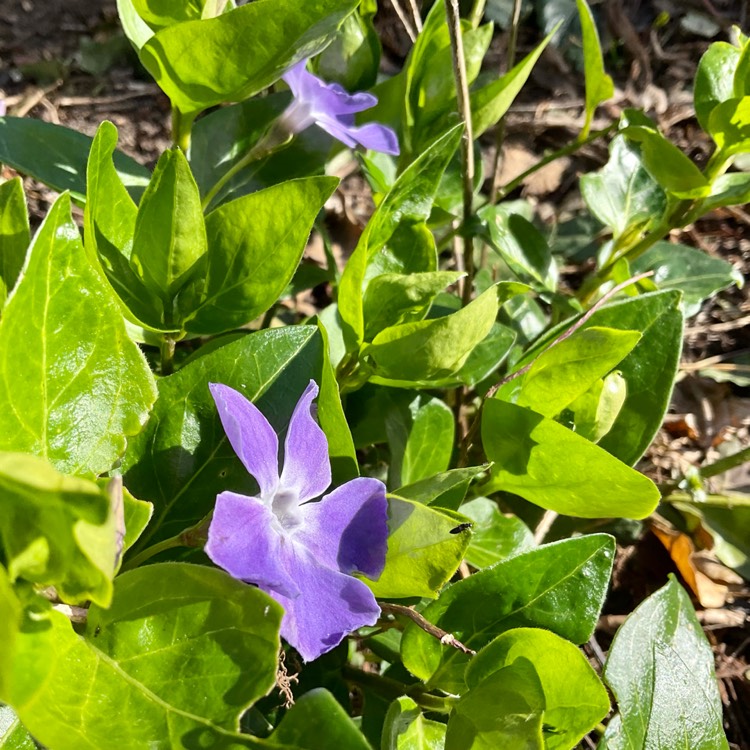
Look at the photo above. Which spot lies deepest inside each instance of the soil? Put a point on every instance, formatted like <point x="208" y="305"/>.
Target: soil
<point x="65" y="61"/>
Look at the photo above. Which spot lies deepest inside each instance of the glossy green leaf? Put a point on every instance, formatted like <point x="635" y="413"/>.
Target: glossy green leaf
<point x="565" y="371"/>
<point x="732" y="189"/>
<point x="622" y="194"/>
<point x="669" y="166"/>
<point x="170" y="234"/>
<point x="661" y="669"/>
<point x="254" y="246"/>
<point x="599" y="86"/>
<point x="595" y="411"/>
<point x="436" y="348"/>
<point x="696" y="274"/>
<point x="559" y="586"/>
<point x="729" y="126"/>
<point x="391" y="299"/>
<point x="160" y="13"/>
<point x="182" y="459"/>
<point x="504" y="710"/>
<point x="318" y="722"/>
<point x="490" y="103"/>
<point x="575" y="699"/>
<point x="221" y="138"/>
<point x="135" y="28"/>
<point x="56" y="156"/>
<point x="714" y="79"/>
<point x="424" y="550"/>
<point x="10" y="615"/>
<point x="496" y="536"/>
<point x="444" y="490"/>
<point x="191" y="63"/>
<point x="549" y="465"/>
<point x="110" y="218"/>
<point x="13" y="735"/>
<point x="130" y="664"/>
<point x="85" y="386"/>
<point x="14" y="235"/>
<point x="409" y="199"/>
<point x="406" y="728"/>
<point x="56" y="530"/>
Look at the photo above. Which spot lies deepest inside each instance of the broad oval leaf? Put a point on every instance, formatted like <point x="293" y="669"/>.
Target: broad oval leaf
<point x="661" y="670"/>
<point x="559" y="586"/>
<point x="85" y="386"/>
<point x="714" y="79"/>
<point x="406" y="728"/>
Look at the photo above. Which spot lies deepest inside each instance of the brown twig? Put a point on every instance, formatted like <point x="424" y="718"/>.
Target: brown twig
<point x="446" y="638"/>
<point x="401" y="13"/>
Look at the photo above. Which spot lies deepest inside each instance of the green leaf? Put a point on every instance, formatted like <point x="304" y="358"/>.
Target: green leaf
<point x="391" y="299"/>
<point x="136" y="515"/>
<point x="661" y="670"/>
<point x="496" y="536"/>
<point x="14" y="235"/>
<point x="317" y="722"/>
<point x="13" y="735"/>
<point x="56" y="530"/>
<point x="160" y="13"/>
<point x="696" y="274"/>
<point x="409" y="199"/>
<point x="595" y="411"/>
<point x="674" y="171"/>
<point x="10" y="614"/>
<point x="575" y="699"/>
<point x="254" y="246"/>
<point x="193" y="64"/>
<point x="562" y="373"/>
<point x="623" y="194"/>
<point x="405" y="728"/>
<point x="433" y="349"/>
<point x="729" y="126"/>
<point x="130" y="664"/>
<point x="110" y="218"/>
<point x="505" y="710"/>
<point x="551" y="466"/>
<point x="85" y="386"/>
<point x="714" y="79"/>
<point x="170" y="235"/>
<point x="182" y="459"/>
<point x="559" y="586"/>
<point x="599" y="86"/>
<point x="732" y="189"/>
<point x="136" y="29"/>
<point x="444" y="490"/>
<point x="56" y="156"/>
<point x="490" y="103"/>
<point x="223" y="137"/>
<point x="424" y="550"/>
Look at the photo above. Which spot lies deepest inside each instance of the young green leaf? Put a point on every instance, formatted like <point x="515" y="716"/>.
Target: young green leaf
<point x="56" y="530"/>
<point x="559" y="586"/>
<point x="85" y="386"/>
<point x="599" y="86"/>
<point x="14" y="235"/>
<point x="595" y="411"/>
<point x="575" y="700"/>
<point x="424" y="550"/>
<point x="406" y="728"/>
<point x="729" y="126"/>
<point x="714" y="79"/>
<point x="444" y="490"/>
<point x="551" y="466"/>
<point x="661" y="670"/>
<point x="254" y="247"/>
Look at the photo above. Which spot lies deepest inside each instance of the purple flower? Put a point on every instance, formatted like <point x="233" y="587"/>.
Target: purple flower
<point x="330" y="107"/>
<point x="300" y="552"/>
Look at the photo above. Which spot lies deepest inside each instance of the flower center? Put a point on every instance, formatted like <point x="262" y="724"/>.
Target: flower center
<point x="285" y="506"/>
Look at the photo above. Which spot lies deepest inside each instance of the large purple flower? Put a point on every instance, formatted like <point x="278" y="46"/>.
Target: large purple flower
<point x="300" y="552"/>
<point x="330" y="107"/>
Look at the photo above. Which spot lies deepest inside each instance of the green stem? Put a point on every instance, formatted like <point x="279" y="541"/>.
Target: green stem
<point x="182" y="126"/>
<point x="391" y="688"/>
<point x="154" y="549"/>
<point x="477" y="13"/>
<point x="467" y="142"/>
<point x="571" y="148"/>
<point x="725" y="464"/>
<point x="167" y="349"/>
<point x="267" y="145"/>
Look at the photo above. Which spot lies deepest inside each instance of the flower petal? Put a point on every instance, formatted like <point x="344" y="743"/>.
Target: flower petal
<point x="307" y="468"/>
<point x="331" y="99"/>
<point x="243" y="539"/>
<point x="252" y="437"/>
<point x="348" y="529"/>
<point x="330" y="605"/>
<point x="373" y="136"/>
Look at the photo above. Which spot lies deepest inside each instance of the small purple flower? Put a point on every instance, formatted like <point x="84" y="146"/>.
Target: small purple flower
<point x="330" y="107"/>
<point x="300" y="552"/>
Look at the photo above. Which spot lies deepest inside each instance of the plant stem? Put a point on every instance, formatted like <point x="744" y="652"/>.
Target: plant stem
<point x="467" y="142"/>
<point x="154" y="549"/>
<point x="267" y="145"/>
<point x="182" y="126"/>
<point x="446" y="638"/>
<point x="416" y="16"/>
<point x="477" y="13"/>
<point x="571" y="148"/>
<point x="724" y="464"/>
<point x="167" y="348"/>
<point x="391" y="688"/>
<point x="401" y="13"/>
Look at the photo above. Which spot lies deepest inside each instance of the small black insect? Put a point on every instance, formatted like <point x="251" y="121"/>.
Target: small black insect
<point x="461" y="527"/>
